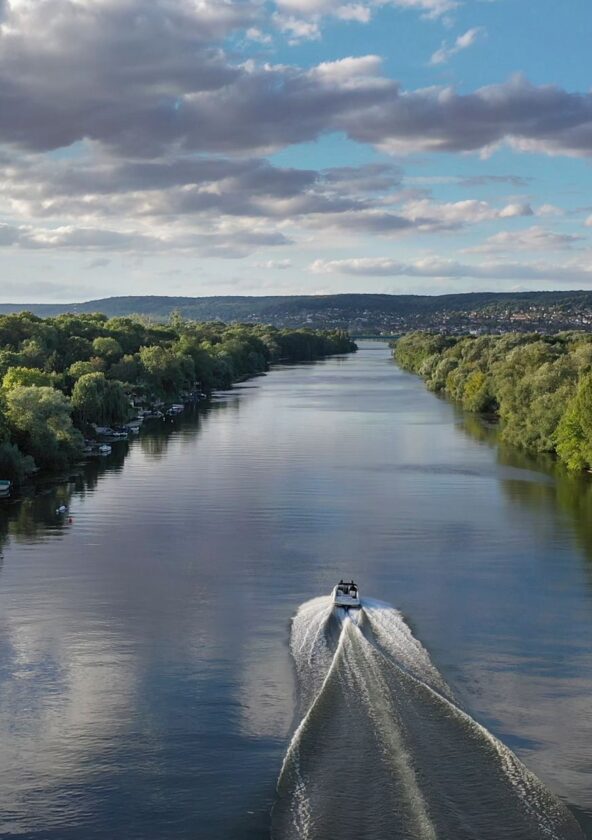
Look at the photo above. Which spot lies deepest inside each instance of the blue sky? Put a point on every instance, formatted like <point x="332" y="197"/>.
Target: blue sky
<point x="293" y="146"/>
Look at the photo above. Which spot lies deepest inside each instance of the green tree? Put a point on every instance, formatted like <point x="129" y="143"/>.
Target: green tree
<point x="42" y="426"/>
<point x="165" y="371"/>
<point x="75" y="348"/>
<point x="107" y="348"/>
<point x="33" y="353"/>
<point x="127" y="369"/>
<point x="78" y="369"/>
<point x="477" y="395"/>
<point x="15" y="377"/>
<point x="96" y="399"/>
<point x="153" y="359"/>
<point x="574" y="432"/>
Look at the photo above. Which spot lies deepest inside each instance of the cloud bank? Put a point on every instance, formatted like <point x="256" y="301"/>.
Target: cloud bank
<point x="148" y="79"/>
<point x="128" y="126"/>
<point x="438" y="268"/>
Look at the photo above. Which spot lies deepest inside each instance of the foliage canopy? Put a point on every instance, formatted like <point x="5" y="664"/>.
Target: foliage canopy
<point x="62" y="374"/>
<point x="539" y="386"/>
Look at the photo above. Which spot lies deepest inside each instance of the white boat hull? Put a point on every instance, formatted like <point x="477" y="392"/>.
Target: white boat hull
<point x="340" y="599"/>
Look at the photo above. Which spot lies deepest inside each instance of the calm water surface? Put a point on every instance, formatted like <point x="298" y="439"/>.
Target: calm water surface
<point x="146" y="684"/>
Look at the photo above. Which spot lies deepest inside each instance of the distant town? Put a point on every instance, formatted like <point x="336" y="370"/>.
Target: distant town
<point x="541" y="318"/>
<point x="361" y="314"/>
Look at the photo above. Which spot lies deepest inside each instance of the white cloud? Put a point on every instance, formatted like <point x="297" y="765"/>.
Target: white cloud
<point x="529" y="118"/>
<point x="307" y="7"/>
<point x="227" y="241"/>
<point x="297" y="29"/>
<point x="549" y="210"/>
<point x="166" y="130"/>
<point x="139" y="84"/>
<point x="138" y="80"/>
<point x="361" y="11"/>
<point x="445" y="53"/>
<point x="351" y="73"/>
<point x="457" y="213"/>
<point x="532" y="239"/>
<point x="510" y="211"/>
<point x="354" y="11"/>
<point x="255" y="34"/>
<point x="273" y="265"/>
<point x="435" y="267"/>
<point x="430" y="9"/>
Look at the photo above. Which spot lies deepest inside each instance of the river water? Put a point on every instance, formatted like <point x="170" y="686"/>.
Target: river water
<point x="151" y="678"/>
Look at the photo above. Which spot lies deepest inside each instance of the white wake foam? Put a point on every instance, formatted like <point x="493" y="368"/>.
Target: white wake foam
<point x="382" y="750"/>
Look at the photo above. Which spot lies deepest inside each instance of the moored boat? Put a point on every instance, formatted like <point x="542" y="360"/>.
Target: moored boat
<point x="5" y="486"/>
<point x="151" y="414"/>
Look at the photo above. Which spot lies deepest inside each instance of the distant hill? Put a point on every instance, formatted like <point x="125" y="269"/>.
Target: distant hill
<point x="360" y="313"/>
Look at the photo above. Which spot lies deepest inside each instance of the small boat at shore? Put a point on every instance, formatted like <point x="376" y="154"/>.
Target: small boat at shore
<point x="346" y="594"/>
<point x="5" y="486"/>
<point x="151" y="414"/>
<point x="111" y="432"/>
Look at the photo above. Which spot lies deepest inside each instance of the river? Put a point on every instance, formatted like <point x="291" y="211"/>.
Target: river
<point x="148" y="686"/>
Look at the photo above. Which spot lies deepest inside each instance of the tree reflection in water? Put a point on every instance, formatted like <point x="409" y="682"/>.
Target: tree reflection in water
<point x="33" y="513"/>
<point x="553" y="489"/>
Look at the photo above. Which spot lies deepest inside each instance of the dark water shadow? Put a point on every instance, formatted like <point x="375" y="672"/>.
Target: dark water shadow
<point x="552" y="490"/>
<point x="33" y="512"/>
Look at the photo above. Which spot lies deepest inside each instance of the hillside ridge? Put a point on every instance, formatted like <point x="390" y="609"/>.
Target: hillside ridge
<point x="358" y="312"/>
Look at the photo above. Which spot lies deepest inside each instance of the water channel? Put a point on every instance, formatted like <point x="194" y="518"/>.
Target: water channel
<point x="148" y="687"/>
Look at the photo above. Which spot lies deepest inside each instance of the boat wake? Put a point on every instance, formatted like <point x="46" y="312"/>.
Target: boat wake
<point x="382" y="750"/>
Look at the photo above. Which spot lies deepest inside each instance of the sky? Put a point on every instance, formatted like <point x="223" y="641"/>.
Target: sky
<point x="237" y="147"/>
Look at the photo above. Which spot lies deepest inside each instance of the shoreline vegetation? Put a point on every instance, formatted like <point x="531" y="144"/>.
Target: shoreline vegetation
<point x="62" y="378"/>
<point x="539" y="387"/>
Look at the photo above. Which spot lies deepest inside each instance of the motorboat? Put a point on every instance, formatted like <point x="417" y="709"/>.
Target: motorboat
<point x="120" y="432"/>
<point x="346" y="594"/>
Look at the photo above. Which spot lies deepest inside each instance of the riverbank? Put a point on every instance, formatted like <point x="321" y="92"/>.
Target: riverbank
<point x="539" y="387"/>
<point x="64" y="377"/>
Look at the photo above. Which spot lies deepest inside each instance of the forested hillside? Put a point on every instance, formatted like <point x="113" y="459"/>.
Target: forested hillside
<point x="358" y="313"/>
<point x="540" y="387"/>
<point x="58" y="376"/>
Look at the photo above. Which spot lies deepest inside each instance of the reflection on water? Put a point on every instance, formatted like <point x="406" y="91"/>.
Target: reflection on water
<point x="34" y="512"/>
<point x="554" y="727"/>
<point x="146" y="685"/>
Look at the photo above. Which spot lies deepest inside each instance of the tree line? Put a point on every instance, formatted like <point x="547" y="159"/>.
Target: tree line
<point x="60" y="375"/>
<point x="540" y="387"/>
